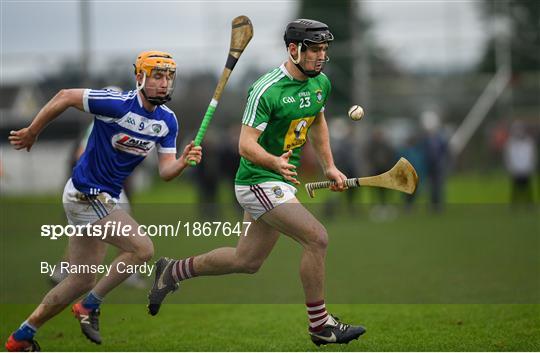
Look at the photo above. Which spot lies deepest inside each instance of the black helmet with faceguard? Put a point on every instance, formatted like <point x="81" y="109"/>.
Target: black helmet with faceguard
<point x="304" y="33"/>
<point x="307" y="32"/>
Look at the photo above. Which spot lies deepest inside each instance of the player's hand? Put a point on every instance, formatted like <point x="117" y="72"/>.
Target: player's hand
<point x="192" y="153"/>
<point x="23" y="138"/>
<point x="286" y="169"/>
<point x="337" y="177"/>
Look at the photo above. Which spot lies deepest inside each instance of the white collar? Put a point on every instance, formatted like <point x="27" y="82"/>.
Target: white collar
<point x="285" y="71"/>
<point x="141" y="103"/>
<point x="139" y="99"/>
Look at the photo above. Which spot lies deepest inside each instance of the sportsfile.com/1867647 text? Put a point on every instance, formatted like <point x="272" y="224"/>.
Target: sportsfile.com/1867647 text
<point x="115" y="229"/>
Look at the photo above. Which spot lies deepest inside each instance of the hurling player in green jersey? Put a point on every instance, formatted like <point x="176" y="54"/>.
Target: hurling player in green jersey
<point x="282" y="107"/>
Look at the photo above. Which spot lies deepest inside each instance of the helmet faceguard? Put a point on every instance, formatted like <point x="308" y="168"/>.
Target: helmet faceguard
<point x="305" y="33"/>
<point x="157" y="65"/>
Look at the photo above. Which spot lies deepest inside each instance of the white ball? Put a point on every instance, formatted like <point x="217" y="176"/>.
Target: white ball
<point x="356" y="112"/>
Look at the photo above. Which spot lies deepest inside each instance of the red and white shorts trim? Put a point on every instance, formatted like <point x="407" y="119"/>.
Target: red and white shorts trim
<point x="260" y="198"/>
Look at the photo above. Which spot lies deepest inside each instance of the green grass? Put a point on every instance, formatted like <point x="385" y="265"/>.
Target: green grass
<point x="488" y="187"/>
<point x="469" y="188"/>
<point x="283" y="328"/>
<point x="464" y="280"/>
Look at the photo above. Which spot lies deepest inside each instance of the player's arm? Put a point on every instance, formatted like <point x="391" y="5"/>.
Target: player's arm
<point x="250" y="149"/>
<point x="320" y="140"/>
<point x="25" y="138"/>
<point x="170" y="167"/>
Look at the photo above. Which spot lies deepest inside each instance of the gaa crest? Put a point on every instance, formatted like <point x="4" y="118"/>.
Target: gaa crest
<point x="278" y="192"/>
<point x="318" y="94"/>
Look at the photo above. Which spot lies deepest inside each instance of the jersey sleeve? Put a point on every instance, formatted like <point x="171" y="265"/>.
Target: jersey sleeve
<point x="167" y="144"/>
<point x="258" y="109"/>
<point x="105" y="102"/>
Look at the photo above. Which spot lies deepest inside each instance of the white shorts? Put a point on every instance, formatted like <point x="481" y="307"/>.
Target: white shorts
<point x="260" y="198"/>
<point x="82" y="209"/>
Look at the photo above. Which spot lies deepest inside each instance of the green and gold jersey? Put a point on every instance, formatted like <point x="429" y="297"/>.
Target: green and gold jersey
<point x="283" y="109"/>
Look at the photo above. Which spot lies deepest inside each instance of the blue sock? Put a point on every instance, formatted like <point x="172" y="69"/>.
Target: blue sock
<point x="92" y="301"/>
<point x="25" y="333"/>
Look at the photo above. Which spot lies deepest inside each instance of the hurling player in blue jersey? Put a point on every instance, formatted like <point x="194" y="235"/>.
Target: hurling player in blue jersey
<point x="127" y="126"/>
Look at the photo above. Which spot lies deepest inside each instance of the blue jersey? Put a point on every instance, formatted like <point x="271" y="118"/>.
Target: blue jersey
<point x="123" y="135"/>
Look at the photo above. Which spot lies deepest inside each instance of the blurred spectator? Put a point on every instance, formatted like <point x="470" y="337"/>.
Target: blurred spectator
<point x="208" y="176"/>
<point x="537" y="139"/>
<point x="414" y="153"/>
<point x="435" y="147"/>
<point x="381" y="157"/>
<point x="344" y="149"/>
<point x="229" y="159"/>
<point x="520" y="162"/>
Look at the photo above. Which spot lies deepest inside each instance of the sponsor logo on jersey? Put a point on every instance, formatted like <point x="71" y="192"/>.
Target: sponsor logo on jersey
<point x="287" y="100"/>
<point x="318" y="94"/>
<point x="133" y="145"/>
<point x="304" y="94"/>
<point x="296" y="135"/>
<point x="299" y="128"/>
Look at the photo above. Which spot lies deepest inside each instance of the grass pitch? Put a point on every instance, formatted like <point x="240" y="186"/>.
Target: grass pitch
<point x="464" y="280"/>
<point x="282" y="327"/>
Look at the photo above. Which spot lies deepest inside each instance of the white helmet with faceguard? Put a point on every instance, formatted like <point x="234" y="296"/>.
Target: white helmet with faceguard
<point x="304" y="33"/>
<point x="157" y="64"/>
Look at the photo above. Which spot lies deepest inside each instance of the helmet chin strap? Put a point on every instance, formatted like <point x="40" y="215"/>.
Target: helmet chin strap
<point x="296" y="62"/>
<point x="152" y="100"/>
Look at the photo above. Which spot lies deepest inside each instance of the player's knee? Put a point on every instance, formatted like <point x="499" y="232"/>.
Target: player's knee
<point x="146" y="254"/>
<point x="250" y="266"/>
<point x="318" y="239"/>
<point x="145" y="251"/>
